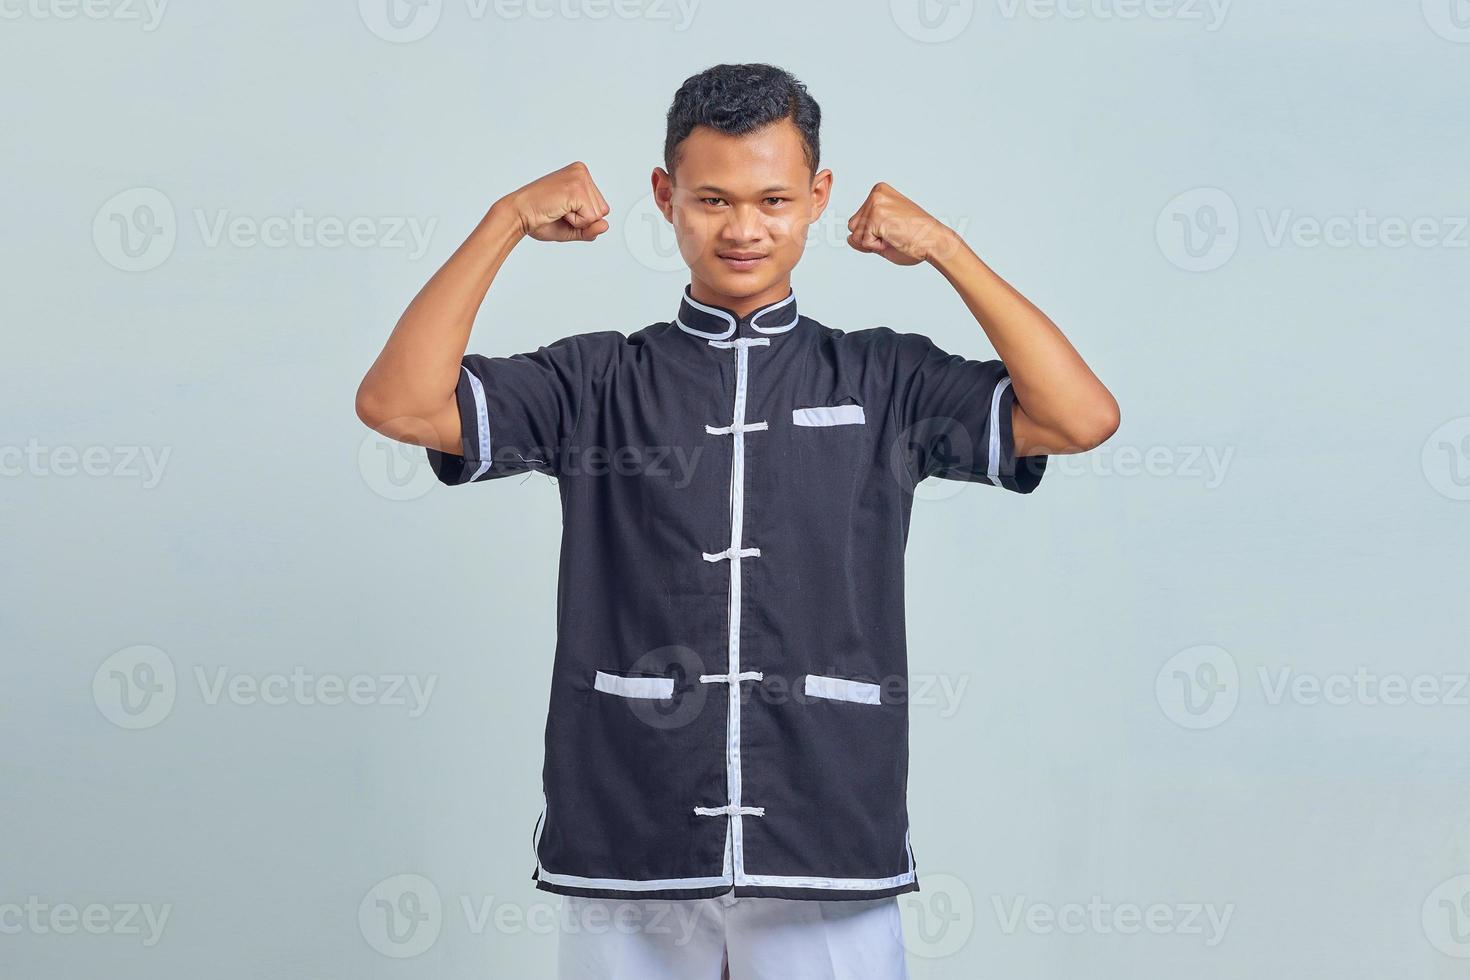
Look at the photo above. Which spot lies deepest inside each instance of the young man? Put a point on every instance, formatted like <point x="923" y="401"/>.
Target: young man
<point x="726" y="745"/>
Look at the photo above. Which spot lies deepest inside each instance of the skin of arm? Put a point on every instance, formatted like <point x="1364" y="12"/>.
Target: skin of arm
<point x="1061" y="406"/>
<point x="409" y="392"/>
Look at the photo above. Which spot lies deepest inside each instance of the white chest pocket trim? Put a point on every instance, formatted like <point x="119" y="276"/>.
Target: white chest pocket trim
<point x="829" y="415"/>
<point x="841" y="689"/>
<point x="634" y="687"/>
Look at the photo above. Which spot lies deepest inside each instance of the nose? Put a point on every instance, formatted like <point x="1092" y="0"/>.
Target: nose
<point x="742" y="227"/>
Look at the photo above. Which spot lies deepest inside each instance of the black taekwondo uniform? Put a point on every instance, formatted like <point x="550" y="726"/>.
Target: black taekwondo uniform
<point x="729" y="705"/>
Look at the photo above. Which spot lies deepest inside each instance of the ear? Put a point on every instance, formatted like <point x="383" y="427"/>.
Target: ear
<point x="821" y="193"/>
<point x="663" y="192"/>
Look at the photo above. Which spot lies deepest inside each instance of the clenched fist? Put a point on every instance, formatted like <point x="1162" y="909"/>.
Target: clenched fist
<point x="563" y="206"/>
<point x="896" y="228"/>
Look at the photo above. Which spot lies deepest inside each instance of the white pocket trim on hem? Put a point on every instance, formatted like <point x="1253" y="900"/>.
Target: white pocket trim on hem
<point x="841" y="689"/>
<point x="829" y="415"/>
<point x="634" y="687"/>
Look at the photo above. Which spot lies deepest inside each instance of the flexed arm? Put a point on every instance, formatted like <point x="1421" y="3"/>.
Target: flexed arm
<point x="1060" y="405"/>
<point x="409" y="392"/>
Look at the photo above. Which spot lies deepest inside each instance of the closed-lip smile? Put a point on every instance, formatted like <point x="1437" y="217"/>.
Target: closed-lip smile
<point x="740" y="259"/>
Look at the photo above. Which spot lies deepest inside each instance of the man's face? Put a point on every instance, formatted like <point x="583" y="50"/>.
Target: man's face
<point x="740" y="207"/>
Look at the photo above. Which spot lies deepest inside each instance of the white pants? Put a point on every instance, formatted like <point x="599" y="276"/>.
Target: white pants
<point x="738" y="938"/>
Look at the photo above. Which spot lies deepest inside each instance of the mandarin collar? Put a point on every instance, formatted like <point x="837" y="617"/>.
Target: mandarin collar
<point x="710" y="321"/>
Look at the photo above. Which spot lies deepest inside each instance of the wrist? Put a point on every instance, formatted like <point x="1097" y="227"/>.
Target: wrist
<point x="506" y="220"/>
<point x="947" y="247"/>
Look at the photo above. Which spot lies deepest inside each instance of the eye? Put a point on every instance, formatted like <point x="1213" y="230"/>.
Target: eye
<point x="775" y="202"/>
<point x="707" y="200"/>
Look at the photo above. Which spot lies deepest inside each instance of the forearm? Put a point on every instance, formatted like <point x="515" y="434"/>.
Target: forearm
<point x="1054" y="387"/>
<point x="418" y="369"/>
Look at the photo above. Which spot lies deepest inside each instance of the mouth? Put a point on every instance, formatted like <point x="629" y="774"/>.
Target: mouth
<point x="741" y="261"/>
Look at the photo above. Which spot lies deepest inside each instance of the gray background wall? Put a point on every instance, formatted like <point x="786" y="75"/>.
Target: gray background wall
<point x="1220" y="693"/>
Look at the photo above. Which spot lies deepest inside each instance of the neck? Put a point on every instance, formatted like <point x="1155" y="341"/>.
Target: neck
<point x="741" y="305"/>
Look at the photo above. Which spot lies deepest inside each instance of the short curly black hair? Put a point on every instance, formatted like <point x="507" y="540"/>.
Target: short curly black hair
<point x="738" y="99"/>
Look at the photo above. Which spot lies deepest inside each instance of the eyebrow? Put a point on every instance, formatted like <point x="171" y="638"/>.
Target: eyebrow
<point x="721" y="190"/>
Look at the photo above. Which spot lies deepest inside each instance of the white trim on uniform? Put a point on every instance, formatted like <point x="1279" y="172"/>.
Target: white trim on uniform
<point x="841" y="689"/>
<point x="834" y="884"/>
<point x="715" y="311"/>
<point x="760" y="881"/>
<point x="744" y="675"/>
<point x="829" y="415"/>
<point x="633" y="885"/>
<point x="724" y="430"/>
<point x="791" y="298"/>
<point x="725" y="315"/>
<point x="536" y="839"/>
<point x="992" y="470"/>
<point x="732" y="554"/>
<point x="727" y="810"/>
<point x="482" y="419"/>
<point x="634" y="687"/>
<point x="735" y="553"/>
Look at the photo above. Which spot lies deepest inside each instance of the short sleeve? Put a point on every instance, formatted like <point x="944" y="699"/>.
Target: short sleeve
<point x="954" y="414"/>
<point x="518" y="412"/>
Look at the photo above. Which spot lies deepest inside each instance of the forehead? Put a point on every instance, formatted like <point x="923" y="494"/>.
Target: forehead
<point x="756" y="160"/>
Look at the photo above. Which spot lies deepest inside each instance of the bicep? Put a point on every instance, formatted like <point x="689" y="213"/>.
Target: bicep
<point x="1034" y="439"/>
<point x="439" y="428"/>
